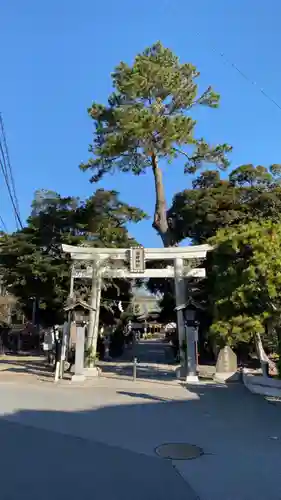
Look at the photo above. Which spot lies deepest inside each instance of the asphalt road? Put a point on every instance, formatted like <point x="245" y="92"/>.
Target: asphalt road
<point x="37" y="463"/>
<point x="100" y="439"/>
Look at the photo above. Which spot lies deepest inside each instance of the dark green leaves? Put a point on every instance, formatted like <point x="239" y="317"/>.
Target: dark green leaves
<point x="245" y="282"/>
<point x="149" y="113"/>
<point x="32" y="262"/>
<point x="250" y="193"/>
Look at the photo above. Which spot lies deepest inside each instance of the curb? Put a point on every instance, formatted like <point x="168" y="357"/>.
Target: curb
<point x="259" y="384"/>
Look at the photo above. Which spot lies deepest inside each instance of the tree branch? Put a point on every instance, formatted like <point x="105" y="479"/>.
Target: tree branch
<point x="182" y="153"/>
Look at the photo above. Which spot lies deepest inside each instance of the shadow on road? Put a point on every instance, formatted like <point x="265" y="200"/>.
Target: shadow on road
<point x="142" y="395"/>
<point x="32" y="367"/>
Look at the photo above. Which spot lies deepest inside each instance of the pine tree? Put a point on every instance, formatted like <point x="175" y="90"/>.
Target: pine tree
<point x="147" y="120"/>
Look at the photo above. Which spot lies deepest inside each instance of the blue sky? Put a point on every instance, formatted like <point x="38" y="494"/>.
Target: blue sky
<point x="57" y="56"/>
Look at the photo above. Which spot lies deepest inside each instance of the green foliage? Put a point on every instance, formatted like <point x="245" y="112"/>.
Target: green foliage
<point x="32" y="263"/>
<point x="250" y="193"/>
<point x="233" y="330"/>
<point x="104" y="217"/>
<point x="147" y="119"/>
<point x="147" y="114"/>
<point x="245" y="281"/>
<point x="250" y="175"/>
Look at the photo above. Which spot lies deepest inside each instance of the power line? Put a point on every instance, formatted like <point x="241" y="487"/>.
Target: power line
<point x="8" y="174"/>
<point x="6" y="150"/>
<point x="3" y="224"/>
<point x="4" y="172"/>
<point x="6" y="169"/>
<point x="244" y="75"/>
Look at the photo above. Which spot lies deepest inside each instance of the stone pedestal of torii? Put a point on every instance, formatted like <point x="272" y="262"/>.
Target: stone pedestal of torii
<point x="131" y="263"/>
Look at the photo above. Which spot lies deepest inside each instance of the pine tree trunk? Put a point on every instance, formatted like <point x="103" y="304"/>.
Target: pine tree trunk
<point x="160" y="222"/>
<point x="161" y="225"/>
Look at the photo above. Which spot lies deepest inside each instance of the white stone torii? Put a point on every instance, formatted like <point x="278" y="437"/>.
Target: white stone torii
<point x="111" y="262"/>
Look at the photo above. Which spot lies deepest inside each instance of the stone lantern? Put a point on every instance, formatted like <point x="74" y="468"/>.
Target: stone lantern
<point x="79" y="313"/>
<point x="189" y="311"/>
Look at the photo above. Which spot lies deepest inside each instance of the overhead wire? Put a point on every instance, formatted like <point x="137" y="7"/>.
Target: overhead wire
<point x="5" y="164"/>
<point x="3" y="170"/>
<point x="6" y="150"/>
<point x="243" y="74"/>
<point x="3" y="224"/>
<point x="6" y="169"/>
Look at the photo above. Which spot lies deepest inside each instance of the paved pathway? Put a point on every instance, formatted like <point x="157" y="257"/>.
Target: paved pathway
<point x="154" y="351"/>
<point x="154" y="357"/>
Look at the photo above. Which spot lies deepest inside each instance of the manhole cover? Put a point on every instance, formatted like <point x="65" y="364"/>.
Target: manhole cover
<point x="179" y="451"/>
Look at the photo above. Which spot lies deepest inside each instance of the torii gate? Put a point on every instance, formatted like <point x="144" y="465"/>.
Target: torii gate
<point x="131" y="263"/>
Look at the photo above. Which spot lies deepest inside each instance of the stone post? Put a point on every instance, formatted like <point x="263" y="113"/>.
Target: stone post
<point x="79" y="354"/>
<point x="180" y="299"/>
<point x="191" y="375"/>
<point x="226" y="367"/>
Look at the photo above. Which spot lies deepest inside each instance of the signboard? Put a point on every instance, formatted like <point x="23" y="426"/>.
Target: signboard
<point x="137" y="260"/>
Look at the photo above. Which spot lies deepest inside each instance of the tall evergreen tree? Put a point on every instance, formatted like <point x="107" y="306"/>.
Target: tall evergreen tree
<point x="32" y="263"/>
<point x="250" y="193"/>
<point x="147" y="120"/>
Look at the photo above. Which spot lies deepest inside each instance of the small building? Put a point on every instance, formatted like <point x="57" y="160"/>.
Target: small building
<point x="144" y="303"/>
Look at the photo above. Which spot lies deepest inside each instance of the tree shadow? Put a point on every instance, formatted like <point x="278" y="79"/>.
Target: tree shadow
<point x="27" y="366"/>
<point x="109" y="451"/>
<point x="143" y="395"/>
<point x="125" y="369"/>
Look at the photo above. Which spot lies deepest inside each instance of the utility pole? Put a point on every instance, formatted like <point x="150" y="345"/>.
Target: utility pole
<point x="33" y="310"/>
<point x="71" y="288"/>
